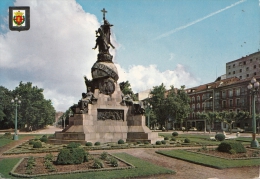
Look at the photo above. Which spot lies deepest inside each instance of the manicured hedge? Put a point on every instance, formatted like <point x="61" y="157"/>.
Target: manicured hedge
<point x="226" y="146"/>
<point x="220" y="137"/>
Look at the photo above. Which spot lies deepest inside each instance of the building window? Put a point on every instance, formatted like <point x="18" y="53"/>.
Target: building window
<point x="229" y="67"/>
<point x="240" y="77"/>
<point x="254" y="66"/>
<point x="229" y="73"/>
<point x="193" y="115"/>
<point x="193" y="99"/>
<point x="244" y="62"/>
<point x="238" y="91"/>
<point x="238" y="102"/>
<point x="234" y="65"/>
<point x="255" y="73"/>
<point x="251" y="60"/>
<point x="240" y="70"/>
<point x="223" y="94"/>
<point x="230" y="93"/>
<point x="198" y="98"/>
<point x="247" y="75"/>
<point x="240" y="63"/>
<point x="230" y="103"/>
<point x="224" y="104"/>
<point x="193" y="106"/>
<point x="198" y="106"/>
<point x="247" y="68"/>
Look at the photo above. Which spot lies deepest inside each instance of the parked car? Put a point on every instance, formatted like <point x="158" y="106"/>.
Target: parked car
<point x="193" y="129"/>
<point x="237" y="129"/>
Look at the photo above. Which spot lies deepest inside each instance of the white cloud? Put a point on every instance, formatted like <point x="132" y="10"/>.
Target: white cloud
<point x="57" y="52"/>
<point x="142" y="78"/>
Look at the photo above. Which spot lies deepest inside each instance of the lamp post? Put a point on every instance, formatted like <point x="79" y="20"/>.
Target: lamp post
<point x="253" y="87"/>
<point x="148" y="108"/>
<point x="16" y="103"/>
<point x="64" y="118"/>
<point x="205" y="113"/>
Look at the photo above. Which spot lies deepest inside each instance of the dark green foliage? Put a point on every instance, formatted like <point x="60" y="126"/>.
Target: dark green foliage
<point x="113" y="162"/>
<point x="146" y="142"/>
<point x="89" y="144"/>
<point x="175" y="134"/>
<point x="97" y="143"/>
<point x="30" y="164"/>
<point x="44" y="139"/>
<point x="138" y="142"/>
<point x="72" y="156"/>
<point x="158" y="143"/>
<point x="163" y="142"/>
<point x="173" y="139"/>
<point x="121" y="141"/>
<point x="226" y="146"/>
<point x="104" y="155"/>
<point x="49" y="157"/>
<point x="31" y="142"/>
<point x="186" y="140"/>
<point x="220" y="137"/>
<point x="73" y="145"/>
<point x="166" y="138"/>
<point x="97" y="164"/>
<point x="37" y="144"/>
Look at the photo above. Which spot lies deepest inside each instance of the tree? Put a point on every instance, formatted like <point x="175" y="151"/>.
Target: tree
<point x="34" y="112"/>
<point x="231" y="117"/>
<point x="209" y="118"/>
<point x="126" y="89"/>
<point x="169" y="104"/>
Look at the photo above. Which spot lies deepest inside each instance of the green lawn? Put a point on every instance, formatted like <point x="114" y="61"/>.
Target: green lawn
<point x="143" y="168"/>
<point x="209" y="160"/>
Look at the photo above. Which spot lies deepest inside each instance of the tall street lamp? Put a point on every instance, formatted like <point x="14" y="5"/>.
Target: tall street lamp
<point x="148" y="108"/>
<point x="253" y="87"/>
<point x="205" y="112"/>
<point x="16" y="103"/>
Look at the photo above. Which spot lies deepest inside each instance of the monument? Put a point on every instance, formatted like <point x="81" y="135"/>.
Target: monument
<point x="104" y="114"/>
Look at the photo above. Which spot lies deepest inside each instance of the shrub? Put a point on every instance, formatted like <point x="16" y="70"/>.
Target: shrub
<point x="232" y="151"/>
<point x="163" y="142"/>
<point x="31" y="142"/>
<point x="89" y="144"/>
<point x="166" y="138"/>
<point x="97" y="143"/>
<point x="226" y="146"/>
<point x="44" y="139"/>
<point x="138" y="142"/>
<point x="158" y="143"/>
<point x="49" y="157"/>
<point x="146" y="142"/>
<point x="173" y="139"/>
<point x="175" y="134"/>
<point x="104" y="155"/>
<point x="97" y="164"/>
<point x="72" y="156"/>
<point x="73" y="145"/>
<point x="220" y="137"/>
<point x="37" y="144"/>
<point x="186" y="140"/>
<point x="121" y="141"/>
<point x="114" y="162"/>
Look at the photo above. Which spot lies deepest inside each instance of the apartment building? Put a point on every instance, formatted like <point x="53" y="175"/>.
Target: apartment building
<point x="229" y="94"/>
<point x="245" y="67"/>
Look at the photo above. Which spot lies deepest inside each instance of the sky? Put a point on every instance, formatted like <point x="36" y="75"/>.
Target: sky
<point x="174" y="42"/>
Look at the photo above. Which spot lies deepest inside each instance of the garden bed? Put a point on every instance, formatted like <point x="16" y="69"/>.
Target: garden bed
<point x="20" y="170"/>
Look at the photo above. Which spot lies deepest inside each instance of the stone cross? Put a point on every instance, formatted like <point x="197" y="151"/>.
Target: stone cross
<point x="104" y="13"/>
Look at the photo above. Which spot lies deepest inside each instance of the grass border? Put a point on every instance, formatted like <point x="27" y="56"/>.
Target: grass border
<point x="209" y="161"/>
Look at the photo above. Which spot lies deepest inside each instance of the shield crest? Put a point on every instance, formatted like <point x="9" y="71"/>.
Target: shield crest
<point x="19" y="18"/>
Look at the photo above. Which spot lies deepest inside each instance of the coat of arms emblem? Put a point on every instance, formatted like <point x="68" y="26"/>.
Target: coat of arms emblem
<point x="19" y="18"/>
